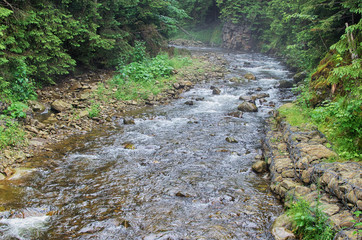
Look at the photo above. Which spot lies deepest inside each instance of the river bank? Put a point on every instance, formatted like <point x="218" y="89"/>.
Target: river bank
<point x="296" y="158"/>
<point x="63" y="110"/>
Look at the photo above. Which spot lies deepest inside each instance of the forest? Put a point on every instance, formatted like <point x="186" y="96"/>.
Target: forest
<point x="42" y="41"/>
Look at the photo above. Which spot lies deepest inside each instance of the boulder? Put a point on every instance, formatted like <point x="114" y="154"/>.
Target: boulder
<point x="61" y="106"/>
<point x="247" y="98"/>
<point x="261" y="95"/>
<point x="259" y="166"/>
<point x="236" y="114"/>
<point x="231" y="140"/>
<point x="247" y="107"/>
<point x="250" y="76"/>
<point x="299" y="77"/>
<point x="285" y="84"/>
<point x="190" y="103"/>
<point x="37" y="106"/>
<point x="216" y="91"/>
<point x="128" y="121"/>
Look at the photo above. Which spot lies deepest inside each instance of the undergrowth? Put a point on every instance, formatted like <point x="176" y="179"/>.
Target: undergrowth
<point x="310" y="222"/>
<point x="11" y="133"/>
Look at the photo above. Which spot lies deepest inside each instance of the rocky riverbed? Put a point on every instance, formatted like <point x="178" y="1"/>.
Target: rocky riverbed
<point x="62" y="110"/>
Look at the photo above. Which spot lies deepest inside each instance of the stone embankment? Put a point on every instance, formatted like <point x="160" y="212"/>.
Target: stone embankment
<point x="296" y="160"/>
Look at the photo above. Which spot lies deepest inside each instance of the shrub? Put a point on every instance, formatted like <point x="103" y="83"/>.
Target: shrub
<point x="11" y="134"/>
<point x="310" y="223"/>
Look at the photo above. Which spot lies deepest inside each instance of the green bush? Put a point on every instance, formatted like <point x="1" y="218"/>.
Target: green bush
<point x="310" y="223"/>
<point x="94" y="110"/>
<point x="11" y="134"/>
<point x="17" y="110"/>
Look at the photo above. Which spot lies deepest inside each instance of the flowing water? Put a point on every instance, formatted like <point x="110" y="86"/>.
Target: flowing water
<point x="172" y="175"/>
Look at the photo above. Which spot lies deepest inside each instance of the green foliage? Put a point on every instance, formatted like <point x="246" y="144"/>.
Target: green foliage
<point x="51" y="38"/>
<point x="94" y="110"/>
<point x="310" y="223"/>
<point x="17" y="110"/>
<point x="147" y="70"/>
<point x="357" y="224"/>
<point x="140" y="80"/>
<point x="11" y="134"/>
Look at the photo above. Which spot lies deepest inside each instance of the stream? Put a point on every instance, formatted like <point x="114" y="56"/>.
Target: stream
<point x="172" y="175"/>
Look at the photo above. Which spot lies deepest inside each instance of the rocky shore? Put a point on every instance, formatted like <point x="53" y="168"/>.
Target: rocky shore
<point x="296" y="158"/>
<point x="62" y="110"/>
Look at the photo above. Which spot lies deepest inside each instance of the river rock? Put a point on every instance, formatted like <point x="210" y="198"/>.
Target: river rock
<point x="231" y="140"/>
<point x="216" y="91"/>
<point x="261" y="95"/>
<point x="259" y="166"/>
<point x="61" y="106"/>
<point x="247" y="98"/>
<point x="128" y="121"/>
<point x="37" y="106"/>
<point x="250" y="76"/>
<point x="280" y="233"/>
<point x="247" y="107"/>
<point x="236" y="114"/>
<point x="285" y="84"/>
<point x="190" y="103"/>
<point x="299" y="77"/>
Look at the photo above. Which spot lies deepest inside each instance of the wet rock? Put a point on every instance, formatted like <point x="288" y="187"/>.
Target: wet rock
<point x="190" y="103"/>
<point x="285" y="84"/>
<point x="200" y="99"/>
<point x="61" y="106"/>
<point x="235" y="79"/>
<point x="247" y="107"/>
<point x="299" y="77"/>
<point x="247" y="64"/>
<point x="37" y="106"/>
<point x="261" y="95"/>
<point x="247" y="98"/>
<point x="259" y="166"/>
<point x="128" y="121"/>
<point x="216" y="91"/>
<point x="236" y="114"/>
<point x="231" y="140"/>
<point x="250" y="76"/>
<point x="129" y="146"/>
